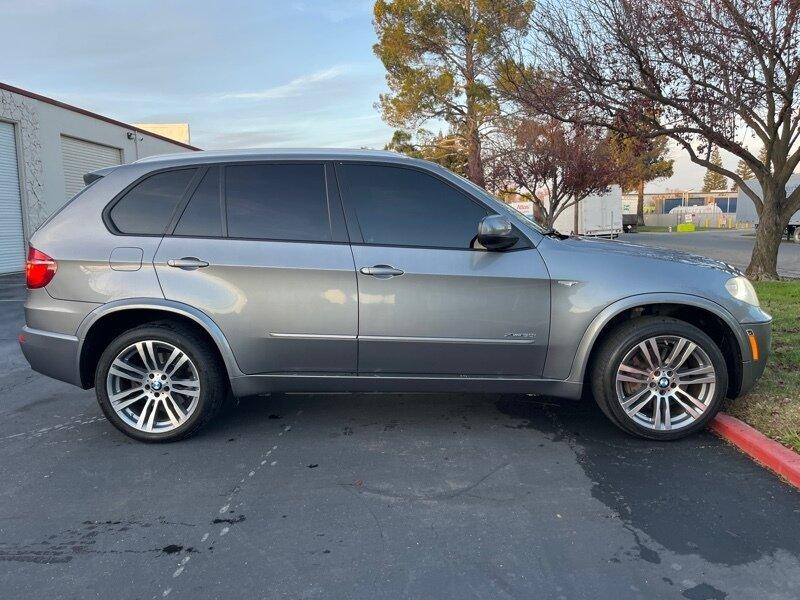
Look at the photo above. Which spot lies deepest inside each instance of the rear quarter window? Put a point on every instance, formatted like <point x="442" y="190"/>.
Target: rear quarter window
<point x="147" y="208"/>
<point x="202" y="217"/>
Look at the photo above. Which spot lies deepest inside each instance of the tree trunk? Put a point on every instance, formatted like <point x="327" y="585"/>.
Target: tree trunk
<point x="575" y="219"/>
<point x="539" y="213"/>
<point x="764" y="261"/>
<point x="640" y="205"/>
<point x="474" y="160"/>
<point x="548" y="217"/>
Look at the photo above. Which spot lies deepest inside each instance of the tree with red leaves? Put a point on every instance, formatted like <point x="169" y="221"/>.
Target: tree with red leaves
<point x="550" y="163"/>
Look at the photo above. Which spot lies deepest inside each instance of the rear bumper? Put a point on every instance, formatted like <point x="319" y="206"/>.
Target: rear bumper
<point x="51" y="354"/>
<point x="753" y="369"/>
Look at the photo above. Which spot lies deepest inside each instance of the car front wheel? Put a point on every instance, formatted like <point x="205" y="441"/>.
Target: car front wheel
<point x="659" y="378"/>
<point x="159" y="383"/>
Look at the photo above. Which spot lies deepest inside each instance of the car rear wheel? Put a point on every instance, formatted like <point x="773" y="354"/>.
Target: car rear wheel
<point x="659" y="378"/>
<point x="159" y="383"/>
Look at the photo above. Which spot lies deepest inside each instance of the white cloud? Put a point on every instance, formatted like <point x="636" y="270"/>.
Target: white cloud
<point x="293" y="88"/>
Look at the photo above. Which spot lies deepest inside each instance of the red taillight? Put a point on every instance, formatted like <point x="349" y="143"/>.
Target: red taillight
<point x="40" y="269"/>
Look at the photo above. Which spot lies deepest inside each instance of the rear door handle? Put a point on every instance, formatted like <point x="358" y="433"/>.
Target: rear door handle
<point x="187" y="263"/>
<point x="382" y="271"/>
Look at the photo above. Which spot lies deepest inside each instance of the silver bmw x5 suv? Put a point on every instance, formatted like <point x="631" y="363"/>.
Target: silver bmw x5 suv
<point x="171" y="282"/>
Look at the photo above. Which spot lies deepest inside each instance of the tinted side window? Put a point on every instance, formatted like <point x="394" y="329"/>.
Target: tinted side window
<point x="202" y="216"/>
<point x="396" y="206"/>
<point x="278" y="202"/>
<point x="148" y="207"/>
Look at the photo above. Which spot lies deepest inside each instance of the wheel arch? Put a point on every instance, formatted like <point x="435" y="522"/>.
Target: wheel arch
<point x="712" y="318"/>
<point x="109" y="320"/>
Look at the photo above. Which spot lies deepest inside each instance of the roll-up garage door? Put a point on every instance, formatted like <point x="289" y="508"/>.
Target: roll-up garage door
<point x="12" y="241"/>
<point x="81" y="157"/>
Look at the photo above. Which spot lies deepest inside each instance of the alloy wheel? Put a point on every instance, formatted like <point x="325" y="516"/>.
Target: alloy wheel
<point x="665" y="383"/>
<point x="153" y="386"/>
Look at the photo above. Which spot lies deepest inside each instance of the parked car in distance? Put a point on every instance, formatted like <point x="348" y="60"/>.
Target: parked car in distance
<point x="170" y="282"/>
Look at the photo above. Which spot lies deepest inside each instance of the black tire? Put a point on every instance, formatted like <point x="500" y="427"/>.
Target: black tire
<point x="211" y="373"/>
<point x="606" y="361"/>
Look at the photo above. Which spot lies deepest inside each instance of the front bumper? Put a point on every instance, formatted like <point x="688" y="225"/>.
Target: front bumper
<point x="51" y="354"/>
<point x="752" y="369"/>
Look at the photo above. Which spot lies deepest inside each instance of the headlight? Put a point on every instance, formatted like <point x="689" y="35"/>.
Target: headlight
<point x="741" y="289"/>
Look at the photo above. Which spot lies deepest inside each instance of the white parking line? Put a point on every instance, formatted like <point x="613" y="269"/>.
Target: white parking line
<point x="181" y="567"/>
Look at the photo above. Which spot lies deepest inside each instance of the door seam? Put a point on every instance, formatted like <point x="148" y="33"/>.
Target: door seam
<point x="358" y="312"/>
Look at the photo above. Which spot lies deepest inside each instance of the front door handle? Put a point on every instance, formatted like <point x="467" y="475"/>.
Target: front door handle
<point x="381" y="271"/>
<point x="187" y="263"/>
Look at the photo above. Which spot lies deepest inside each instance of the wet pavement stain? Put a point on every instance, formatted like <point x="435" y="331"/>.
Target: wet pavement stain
<point x="669" y="490"/>
<point x="62" y="547"/>
<point x="229" y="520"/>
<point x="704" y="591"/>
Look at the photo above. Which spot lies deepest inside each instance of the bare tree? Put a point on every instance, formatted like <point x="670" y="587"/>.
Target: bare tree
<point x="552" y="164"/>
<point x="706" y="73"/>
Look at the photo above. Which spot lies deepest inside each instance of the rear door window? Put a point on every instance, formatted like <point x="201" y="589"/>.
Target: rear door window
<point x="148" y="207"/>
<point x="277" y="202"/>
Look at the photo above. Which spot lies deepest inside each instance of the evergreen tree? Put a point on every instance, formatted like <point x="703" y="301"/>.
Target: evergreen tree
<point x="744" y="171"/>
<point x="440" y="58"/>
<point x="640" y="160"/>
<point x="447" y="150"/>
<point x="715" y="181"/>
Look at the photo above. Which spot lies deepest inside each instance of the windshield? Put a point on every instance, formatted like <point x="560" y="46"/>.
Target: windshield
<point x="503" y="206"/>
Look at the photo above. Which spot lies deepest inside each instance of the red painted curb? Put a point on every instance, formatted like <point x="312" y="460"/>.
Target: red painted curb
<point x="769" y="453"/>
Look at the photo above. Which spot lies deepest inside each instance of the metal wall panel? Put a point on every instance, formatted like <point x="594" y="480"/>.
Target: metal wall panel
<point x="81" y="157"/>
<point x="12" y="239"/>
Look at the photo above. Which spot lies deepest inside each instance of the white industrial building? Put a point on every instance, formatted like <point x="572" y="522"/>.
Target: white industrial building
<point x="46" y="147"/>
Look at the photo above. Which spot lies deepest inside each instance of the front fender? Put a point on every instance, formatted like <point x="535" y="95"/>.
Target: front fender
<point x="591" y="334"/>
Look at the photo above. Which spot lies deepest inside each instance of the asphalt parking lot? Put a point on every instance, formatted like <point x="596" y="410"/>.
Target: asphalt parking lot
<point x="733" y="246"/>
<point x="376" y="496"/>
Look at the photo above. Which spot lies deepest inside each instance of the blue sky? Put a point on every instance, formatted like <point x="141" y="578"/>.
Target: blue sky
<point x="242" y="74"/>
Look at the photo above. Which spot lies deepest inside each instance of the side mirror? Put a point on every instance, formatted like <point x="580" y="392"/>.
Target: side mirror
<point x="496" y="233"/>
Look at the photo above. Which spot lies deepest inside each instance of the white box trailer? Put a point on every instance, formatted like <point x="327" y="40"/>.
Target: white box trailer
<point x="746" y="210"/>
<point x="598" y="214"/>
